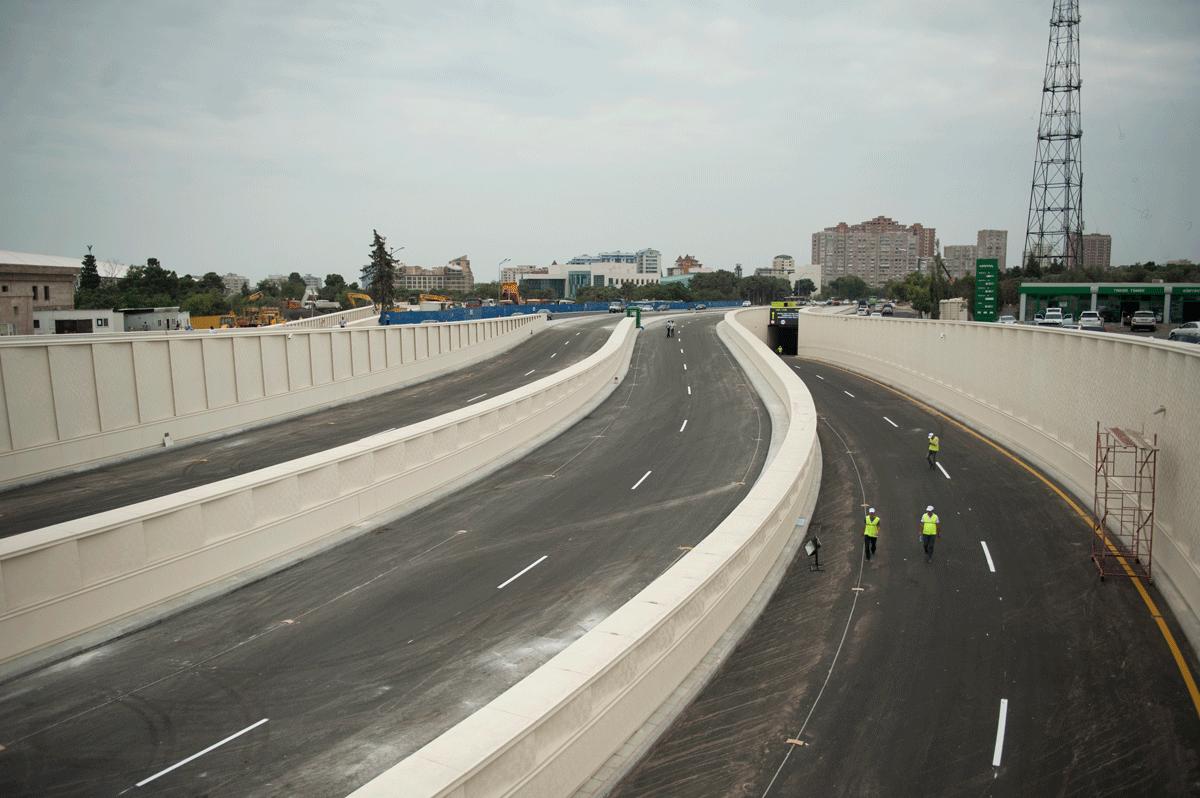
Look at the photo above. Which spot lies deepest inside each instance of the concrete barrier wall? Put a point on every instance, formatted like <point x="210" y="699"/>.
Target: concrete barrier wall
<point x="327" y="321"/>
<point x="550" y="732"/>
<point x="63" y="581"/>
<point x="75" y="402"/>
<point x="1040" y="392"/>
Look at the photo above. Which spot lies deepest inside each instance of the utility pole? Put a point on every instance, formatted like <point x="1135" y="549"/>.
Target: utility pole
<point x="1054" y="228"/>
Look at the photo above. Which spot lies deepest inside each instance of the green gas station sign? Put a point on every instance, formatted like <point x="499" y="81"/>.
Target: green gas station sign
<point x="987" y="289"/>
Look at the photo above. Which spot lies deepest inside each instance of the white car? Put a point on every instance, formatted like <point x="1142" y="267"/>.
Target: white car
<point x="1052" y="318"/>
<point x="1188" y="331"/>
<point x="746" y="303"/>
<point x="1143" y="320"/>
<point x="1008" y="319"/>
<point x="1091" y="320"/>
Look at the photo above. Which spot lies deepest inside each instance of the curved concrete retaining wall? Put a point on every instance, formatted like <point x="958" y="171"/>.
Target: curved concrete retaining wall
<point x="1041" y="392"/>
<point x="550" y="732"/>
<point x="75" y="402"/>
<point x="63" y="581"/>
<point x="328" y="320"/>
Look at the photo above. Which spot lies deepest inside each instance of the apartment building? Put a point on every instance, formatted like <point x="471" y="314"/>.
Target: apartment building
<point x="877" y="250"/>
<point x="960" y="259"/>
<point x="1097" y="250"/>
<point x="454" y="276"/>
<point x="992" y="244"/>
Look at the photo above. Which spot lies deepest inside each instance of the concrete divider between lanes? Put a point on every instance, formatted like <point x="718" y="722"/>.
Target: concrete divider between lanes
<point x="67" y="585"/>
<point x="75" y="402"/>
<point x="549" y="733"/>
<point x="1041" y="392"/>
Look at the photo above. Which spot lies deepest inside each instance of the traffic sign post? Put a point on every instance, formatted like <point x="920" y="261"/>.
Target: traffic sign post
<point x="987" y="289"/>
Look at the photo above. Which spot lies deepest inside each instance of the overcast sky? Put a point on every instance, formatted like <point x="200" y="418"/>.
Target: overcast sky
<point x="272" y="137"/>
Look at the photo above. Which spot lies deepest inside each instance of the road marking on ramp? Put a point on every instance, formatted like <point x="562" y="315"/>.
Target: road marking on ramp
<point x="521" y="572"/>
<point x="848" y="394"/>
<point x="476" y="398"/>
<point x="682" y="428"/>
<point x="689" y="390"/>
<point x="554" y="355"/>
<point x="819" y="377"/>
<point x="529" y="372"/>
<point x="1185" y="671"/>
<point x="640" y="481"/>
<point x="988" y="554"/>
<point x="939" y="465"/>
<point x="893" y="423"/>
<point x="685" y="366"/>
<point x="199" y="754"/>
<point x="1000" y="732"/>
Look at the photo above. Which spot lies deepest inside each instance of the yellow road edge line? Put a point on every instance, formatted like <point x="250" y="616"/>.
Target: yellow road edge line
<point x="1180" y="662"/>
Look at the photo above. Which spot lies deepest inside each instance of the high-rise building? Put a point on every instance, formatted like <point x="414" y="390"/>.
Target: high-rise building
<point x="234" y="283"/>
<point x="783" y="263"/>
<point x="992" y="244"/>
<point x="649" y="261"/>
<point x="877" y="250"/>
<point x="1097" y="250"/>
<point x="312" y="282"/>
<point x="960" y="259"/>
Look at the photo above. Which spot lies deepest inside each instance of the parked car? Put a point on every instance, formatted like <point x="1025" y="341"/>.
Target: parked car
<point x="616" y="307"/>
<point x="1188" y="332"/>
<point x="1143" y="320"/>
<point x="1008" y="319"/>
<point x="1068" y="319"/>
<point x="745" y="303"/>
<point x="1090" y="320"/>
<point x="700" y="306"/>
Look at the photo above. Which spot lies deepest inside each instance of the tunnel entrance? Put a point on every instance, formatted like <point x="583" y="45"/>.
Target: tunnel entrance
<point x="783" y="336"/>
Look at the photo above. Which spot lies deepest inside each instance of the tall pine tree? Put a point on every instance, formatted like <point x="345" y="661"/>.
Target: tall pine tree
<point x="379" y="276"/>
<point x="89" y="275"/>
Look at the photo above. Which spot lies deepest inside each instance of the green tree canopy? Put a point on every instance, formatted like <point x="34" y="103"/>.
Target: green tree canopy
<point x="89" y="275"/>
<point x="379" y="276"/>
<point x="849" y="286"/>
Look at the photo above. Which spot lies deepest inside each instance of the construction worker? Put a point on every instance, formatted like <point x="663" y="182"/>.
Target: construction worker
<point x="870" y="533"/>
<point x="779" y="350"/>
<point x="934" y="446"/>
<point x="670" y="328"/>
<point x="930" y="523"/>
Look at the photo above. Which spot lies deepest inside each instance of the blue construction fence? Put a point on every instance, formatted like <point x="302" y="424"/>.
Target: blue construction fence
<point x="501" y="311"/>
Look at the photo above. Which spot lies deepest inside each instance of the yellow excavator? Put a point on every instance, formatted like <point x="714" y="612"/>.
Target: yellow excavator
<point x="352" y="296"/>
<point x="434" y="298"/>
<point x="255" y="316"/>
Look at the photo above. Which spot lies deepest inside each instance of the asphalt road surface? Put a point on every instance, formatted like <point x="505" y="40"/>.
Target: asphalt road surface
<point x="336" y="668"/>
<point x="119" y="484"/>
<point x="1004" y="667"/>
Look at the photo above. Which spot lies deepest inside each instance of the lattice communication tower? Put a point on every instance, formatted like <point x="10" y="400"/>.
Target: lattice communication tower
<point x="1054" y="229"/>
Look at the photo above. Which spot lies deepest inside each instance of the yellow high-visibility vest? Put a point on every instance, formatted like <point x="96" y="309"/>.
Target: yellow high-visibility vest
<point x="929" y="522"/>
<point x="872" y="530"/>
<point x="933" y="444"/>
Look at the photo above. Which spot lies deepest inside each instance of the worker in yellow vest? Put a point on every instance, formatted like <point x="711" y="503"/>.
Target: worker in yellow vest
<point x="935" y="443"/>
<point x="930" y="523"/>
<point x="870" y="533"/>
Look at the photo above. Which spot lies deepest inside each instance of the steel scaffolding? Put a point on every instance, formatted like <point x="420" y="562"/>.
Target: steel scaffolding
<point x="1123" y="510"/>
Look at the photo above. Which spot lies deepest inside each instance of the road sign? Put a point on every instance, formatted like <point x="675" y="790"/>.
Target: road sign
<point x="987" y="289"/>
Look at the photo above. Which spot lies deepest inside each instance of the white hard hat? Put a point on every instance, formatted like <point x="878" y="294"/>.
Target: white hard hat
<point x="929" y="509"/>
<point x="931" y="434"/>
<point x="870" y="509"/>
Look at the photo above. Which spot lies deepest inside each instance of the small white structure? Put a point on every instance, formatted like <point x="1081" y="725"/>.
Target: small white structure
<point x="953" y="309"/>
<point x="80" y="320"/>
<point x="155" y="319"/>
